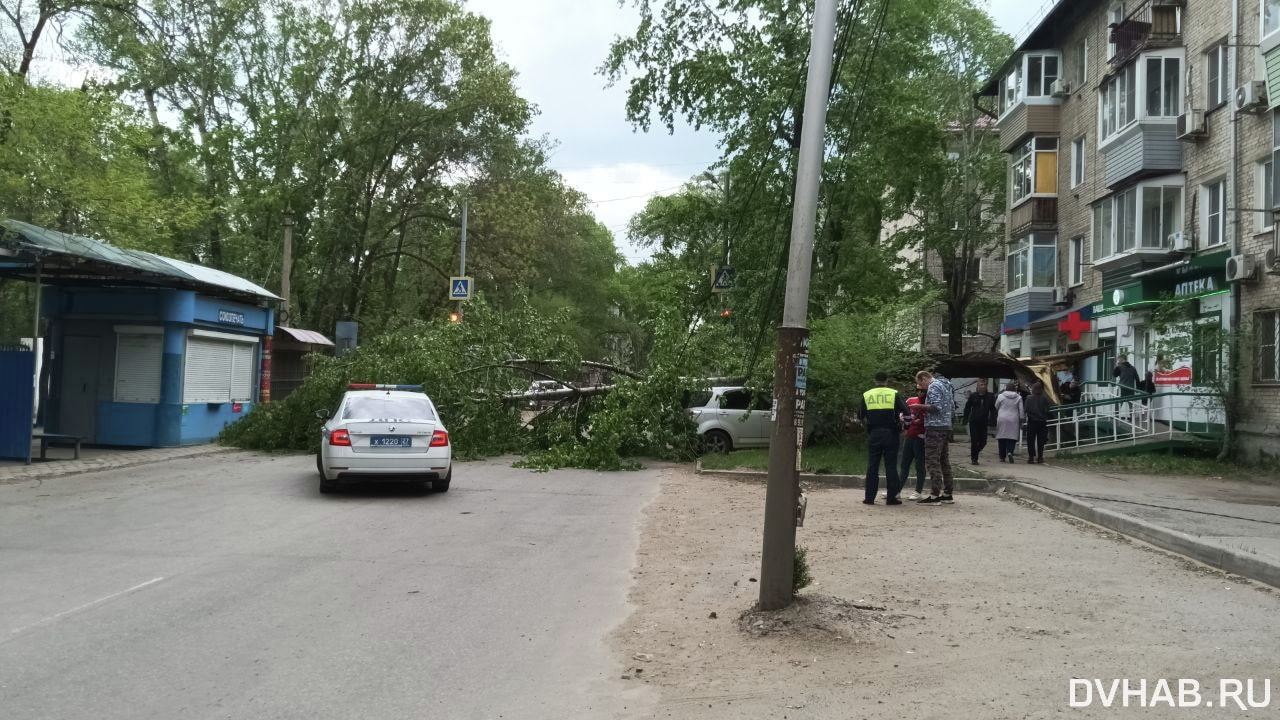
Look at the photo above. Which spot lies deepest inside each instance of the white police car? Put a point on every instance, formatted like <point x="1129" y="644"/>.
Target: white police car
<point x="385" y="432"/>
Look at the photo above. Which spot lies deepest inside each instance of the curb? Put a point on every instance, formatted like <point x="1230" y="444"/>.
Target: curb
<point x="1205" y="551"/>
<point x="967" y="484"/>
<point x="82" y="467"/>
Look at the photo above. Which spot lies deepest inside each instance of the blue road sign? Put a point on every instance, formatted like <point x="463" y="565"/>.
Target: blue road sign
<point x="722" y="279"/>
<point x="459" y="288"/>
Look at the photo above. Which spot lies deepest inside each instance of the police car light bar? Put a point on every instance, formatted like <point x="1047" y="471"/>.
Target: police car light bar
<point x="372" y="386"/>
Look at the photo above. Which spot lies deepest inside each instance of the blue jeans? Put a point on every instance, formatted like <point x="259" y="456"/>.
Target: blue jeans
<point x="913" y="451"/>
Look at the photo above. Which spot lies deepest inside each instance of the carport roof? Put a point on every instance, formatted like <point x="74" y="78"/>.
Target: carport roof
<point x="72" y="259"/>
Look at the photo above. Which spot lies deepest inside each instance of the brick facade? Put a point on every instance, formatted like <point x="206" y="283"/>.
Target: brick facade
<point x="1203" y="25"/>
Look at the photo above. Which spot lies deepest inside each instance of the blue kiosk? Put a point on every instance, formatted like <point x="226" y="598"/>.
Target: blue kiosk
<point x="142" y="350"/>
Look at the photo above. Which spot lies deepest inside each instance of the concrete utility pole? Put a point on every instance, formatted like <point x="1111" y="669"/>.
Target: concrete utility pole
<point x="789" y="380"/>
<point x="462" y="256"/>
<point x="286" y="271"/>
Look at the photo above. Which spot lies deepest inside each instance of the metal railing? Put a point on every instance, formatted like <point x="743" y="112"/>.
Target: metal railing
<point x="1106" y="415"/>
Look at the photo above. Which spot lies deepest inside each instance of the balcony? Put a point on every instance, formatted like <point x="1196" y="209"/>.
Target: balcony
<point x="1029" y="118"/>
<point x="1038" y="213"/>
<point x="1148" y="147"/>
<point x="1154" y="24"/>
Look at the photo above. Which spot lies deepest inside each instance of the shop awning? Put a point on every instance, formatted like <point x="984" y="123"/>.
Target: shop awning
<point x="310" y="337"/>
<point x="62" y="259"/>
<point x="1052" y="319"/>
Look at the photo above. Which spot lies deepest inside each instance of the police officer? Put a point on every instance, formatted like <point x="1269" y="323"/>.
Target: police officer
<point x="881" y="409"/>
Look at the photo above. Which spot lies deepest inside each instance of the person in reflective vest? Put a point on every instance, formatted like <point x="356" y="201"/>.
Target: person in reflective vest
<point x="882" y="407"/>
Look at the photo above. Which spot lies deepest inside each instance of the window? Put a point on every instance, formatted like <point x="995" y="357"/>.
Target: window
<point x="1206" y="352"/>
<point x="1214" y="216"/>
<point x="1218" y="80"/>
<point x="1270" y="16"/>
<point x="1266" y="330"/>
<point x="1034" y="170"/>
<point x="1080" y="63"/>
<point x="1262" y="192"/>
<point x="387" y="407"/>
<point x="1076" y="259"/>
<point x="1141" y="217"/>
<point x="1115" y="16"/>
<point x="735" y="400"/>
<point x="1161" y="214"/>
<point x="139" y="355"/>
<point x="1033" y="262"/>
<point x="1148" y="88"/>
<point x="219" y="368"/>
<point x="1031" y="77"/>
<point x="1077" y="162"/>
<point x="1119" y="102"/>
<point x="1164" y="95"/>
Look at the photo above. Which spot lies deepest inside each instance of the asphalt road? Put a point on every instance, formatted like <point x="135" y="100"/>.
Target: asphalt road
<point x="228" y="587"/>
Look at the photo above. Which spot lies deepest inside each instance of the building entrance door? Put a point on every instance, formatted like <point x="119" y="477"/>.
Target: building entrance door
<point x="78" y="406"/>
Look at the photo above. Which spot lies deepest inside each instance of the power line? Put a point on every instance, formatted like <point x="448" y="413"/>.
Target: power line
<point x="633" y="197"/>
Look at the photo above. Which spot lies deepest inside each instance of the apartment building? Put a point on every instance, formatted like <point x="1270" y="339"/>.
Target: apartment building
<point x="1142" y="139"/>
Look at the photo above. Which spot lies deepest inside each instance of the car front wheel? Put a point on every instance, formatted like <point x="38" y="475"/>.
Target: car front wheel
<point x="716" y="442"/>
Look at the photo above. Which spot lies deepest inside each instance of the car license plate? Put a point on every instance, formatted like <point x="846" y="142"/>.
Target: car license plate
<point x="391" y="441"/>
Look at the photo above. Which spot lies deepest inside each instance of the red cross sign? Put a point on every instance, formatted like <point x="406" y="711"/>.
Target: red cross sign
<point x="1073" y="326"/>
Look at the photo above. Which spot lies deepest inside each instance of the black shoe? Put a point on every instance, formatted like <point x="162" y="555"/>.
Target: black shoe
<point x="868" y="502"/>
<point x="947" y="500"/>
<point x="931" y="500"/>
<point x="893" y="501"/>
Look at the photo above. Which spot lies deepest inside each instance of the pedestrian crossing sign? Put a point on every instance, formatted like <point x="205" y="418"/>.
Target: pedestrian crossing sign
<point x="459" y="288"/>
<point x="721" y="278"/>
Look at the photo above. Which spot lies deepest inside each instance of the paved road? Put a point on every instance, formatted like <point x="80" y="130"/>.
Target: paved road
<point x="228" y="587"/>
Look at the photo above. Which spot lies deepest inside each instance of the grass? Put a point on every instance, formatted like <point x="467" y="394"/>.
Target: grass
<point x="1163" y="462"/>
<point x="825" y="460"/>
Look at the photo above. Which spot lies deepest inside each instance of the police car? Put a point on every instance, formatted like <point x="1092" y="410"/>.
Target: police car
<point x="385" y="432"/>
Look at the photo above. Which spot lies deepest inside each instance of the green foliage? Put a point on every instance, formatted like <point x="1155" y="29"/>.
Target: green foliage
<point x="800" y="577"/>
<point x="461" y="367"/>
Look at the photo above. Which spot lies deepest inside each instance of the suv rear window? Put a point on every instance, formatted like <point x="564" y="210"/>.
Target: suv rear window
<point x="697" y="399"/>
<point x="375" y="407"/>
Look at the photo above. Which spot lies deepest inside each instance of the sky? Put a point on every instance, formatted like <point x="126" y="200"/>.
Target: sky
<point x="598" y="151"/>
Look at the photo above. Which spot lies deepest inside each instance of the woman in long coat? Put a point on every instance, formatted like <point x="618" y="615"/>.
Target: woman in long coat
<point x="1009" y="416"/>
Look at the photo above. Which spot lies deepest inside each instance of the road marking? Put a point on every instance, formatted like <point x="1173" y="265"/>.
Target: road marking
<point x="86" y="606"/>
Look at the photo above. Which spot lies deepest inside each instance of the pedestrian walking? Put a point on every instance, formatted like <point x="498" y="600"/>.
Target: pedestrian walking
<point x="1038" y="409"/>
<point x="881" y="411"/>
<point x="1009" y="416"/>
<point x="977" y="415"/>
<point x="913" y="443"/>
<point x="1126" y="376"/>
<point x="939" y="409"/>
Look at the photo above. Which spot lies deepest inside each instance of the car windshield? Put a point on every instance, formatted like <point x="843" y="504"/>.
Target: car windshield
<point x="387" y="407"/>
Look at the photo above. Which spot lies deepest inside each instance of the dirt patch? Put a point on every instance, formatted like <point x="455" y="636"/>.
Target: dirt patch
<point x="982" y="609"/>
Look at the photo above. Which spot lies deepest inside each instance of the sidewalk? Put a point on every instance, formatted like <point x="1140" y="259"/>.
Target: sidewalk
<point x="95" y="459"/>
<point x="1232" y="524"/>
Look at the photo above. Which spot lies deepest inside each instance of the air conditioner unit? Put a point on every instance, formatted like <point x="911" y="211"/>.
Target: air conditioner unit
<point x="1240" y="268"/>
<point x="1059" y="88"/>
<point x="1251" y="96"/>
<point x="1191" y="125"/>
<point x="1061" y="296"/>
<point x="1271" y="262"/>
<point x="1180" y="241"/>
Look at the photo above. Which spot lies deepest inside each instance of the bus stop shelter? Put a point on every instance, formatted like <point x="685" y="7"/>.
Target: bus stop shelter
<point x="142" y="350"/>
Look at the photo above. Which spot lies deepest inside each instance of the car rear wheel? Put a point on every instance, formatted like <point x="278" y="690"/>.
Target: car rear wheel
<point x="326" y="486"/>
<point x="443" y="485"/>
<point x="716" y="442"/>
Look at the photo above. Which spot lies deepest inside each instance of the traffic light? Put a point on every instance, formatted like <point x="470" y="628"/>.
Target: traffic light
<point x="725" y="313"/>
<point x="455" y="317"/>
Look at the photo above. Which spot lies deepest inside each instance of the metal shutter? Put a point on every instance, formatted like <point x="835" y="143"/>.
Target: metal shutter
<point x="242" y="373"/>
<point x="206" y="377"/>
<point x="138" y="362"/>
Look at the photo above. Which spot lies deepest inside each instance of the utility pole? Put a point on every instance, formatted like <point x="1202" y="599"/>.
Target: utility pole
<point x="286" y="271"/>
<point x="462" y="256"/>
<point x="781" y="507"/>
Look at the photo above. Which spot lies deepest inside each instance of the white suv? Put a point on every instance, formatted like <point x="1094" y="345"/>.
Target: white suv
<point x="730" y="417"/>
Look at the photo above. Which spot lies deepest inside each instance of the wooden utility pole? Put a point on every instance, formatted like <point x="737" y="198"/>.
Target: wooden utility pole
<point x="782" y="497"/>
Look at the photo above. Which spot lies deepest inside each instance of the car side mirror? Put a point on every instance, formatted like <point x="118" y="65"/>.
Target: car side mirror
<point x="322" y="414"/>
